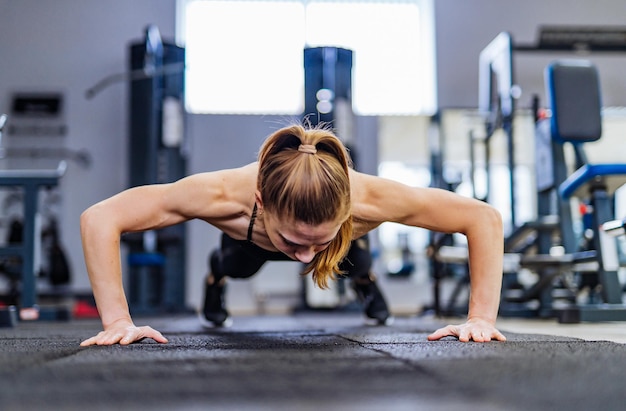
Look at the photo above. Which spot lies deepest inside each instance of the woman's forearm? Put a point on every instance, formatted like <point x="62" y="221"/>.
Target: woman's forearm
<point x="486" y="250"/>
<point x="101" y="247"/>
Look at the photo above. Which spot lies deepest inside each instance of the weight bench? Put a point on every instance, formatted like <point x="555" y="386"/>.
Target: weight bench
<point x="31" y="182"/>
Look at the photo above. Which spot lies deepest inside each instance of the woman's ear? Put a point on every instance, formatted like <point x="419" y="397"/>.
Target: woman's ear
<point x="259" y="201"/>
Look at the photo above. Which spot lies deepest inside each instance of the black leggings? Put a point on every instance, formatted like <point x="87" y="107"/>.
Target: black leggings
<point x="242" y="259"/>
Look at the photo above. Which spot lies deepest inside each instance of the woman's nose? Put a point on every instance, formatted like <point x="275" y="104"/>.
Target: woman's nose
<point x="305" y="254"/>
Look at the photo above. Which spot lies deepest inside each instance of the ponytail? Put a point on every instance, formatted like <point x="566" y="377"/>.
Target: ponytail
<point x="304" y="175"/>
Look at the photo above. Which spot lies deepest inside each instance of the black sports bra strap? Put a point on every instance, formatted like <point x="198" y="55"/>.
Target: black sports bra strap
<point x="252" y="218"/>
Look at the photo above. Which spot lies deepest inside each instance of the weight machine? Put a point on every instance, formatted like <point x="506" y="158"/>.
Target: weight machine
<point x="157" y="154"/>
<point x="548" y="246"/>
<point x="328" y="100"/>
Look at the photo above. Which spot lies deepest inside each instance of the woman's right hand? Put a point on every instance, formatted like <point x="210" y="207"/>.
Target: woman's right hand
<point x="124" y="333"/>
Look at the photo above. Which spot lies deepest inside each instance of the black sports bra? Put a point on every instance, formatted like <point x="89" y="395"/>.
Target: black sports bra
<point x="252" y="218"/>
<point x="256" y="251"/>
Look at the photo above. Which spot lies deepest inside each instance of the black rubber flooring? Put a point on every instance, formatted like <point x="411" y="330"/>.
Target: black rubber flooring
<point x="304" y="362"/>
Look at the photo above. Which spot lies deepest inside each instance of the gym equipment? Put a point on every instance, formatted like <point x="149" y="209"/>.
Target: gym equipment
<point x="548" y="246"/>
<point x="496" y="101"/>
<point x="498" y="92"/>
<point x="441" y="268"/>
<point x="31" y="181"/>
<point x="585" y="38"/>
<point x="328" y="88"/>
<point x="328" y="100"/>
<point x="615" y="228"/>
<point x="574" y="98"/>
<point x="558" y="253"/>
<point x="156" y="155"/>
<point x="8" y="316"/>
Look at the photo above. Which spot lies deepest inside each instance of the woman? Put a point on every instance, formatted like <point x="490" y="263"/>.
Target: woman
<point x="301" y="199"/>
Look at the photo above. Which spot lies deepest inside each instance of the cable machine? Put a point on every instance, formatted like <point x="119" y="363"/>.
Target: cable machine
<point x="156" y="259"/>
<point x="328" y="100"/>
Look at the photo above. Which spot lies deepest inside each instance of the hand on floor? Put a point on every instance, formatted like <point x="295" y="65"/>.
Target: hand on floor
<point x="124" y="334"/>
<point x="475" y="329"/>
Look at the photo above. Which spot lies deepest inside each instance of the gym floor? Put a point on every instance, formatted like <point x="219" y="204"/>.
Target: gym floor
<point x="601" y="331"/>
<point x="313" y="361"/>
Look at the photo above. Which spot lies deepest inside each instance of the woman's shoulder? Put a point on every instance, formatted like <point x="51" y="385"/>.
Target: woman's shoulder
<point x="367" y="191"/>
<point x="220" y="195"/>
<point x="364" y="186"/>
<point x="377" y="199"/>
<point x="229" y="177"/>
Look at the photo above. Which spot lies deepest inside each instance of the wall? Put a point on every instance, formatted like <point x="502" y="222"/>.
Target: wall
<point x="464" y="28"/>
<point x="67" y="46"/>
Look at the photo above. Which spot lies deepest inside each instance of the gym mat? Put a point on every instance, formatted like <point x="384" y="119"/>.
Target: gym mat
<point x="315" y="361"/>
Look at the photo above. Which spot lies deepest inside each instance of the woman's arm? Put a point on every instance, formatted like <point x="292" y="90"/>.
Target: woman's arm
<point x="137" y="209"/>
<point x="102" y="224"/>
<point x="447" y="212"/>
<point x="482" y="225"/>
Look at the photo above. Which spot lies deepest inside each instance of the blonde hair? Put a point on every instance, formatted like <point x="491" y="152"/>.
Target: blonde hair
<point x="304" y="176"/>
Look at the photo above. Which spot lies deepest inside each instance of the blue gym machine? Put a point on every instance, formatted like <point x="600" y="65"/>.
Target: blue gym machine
<point x="575" y="118"/>
<point x="573" y="91"/>
<point x="549" y="246"/>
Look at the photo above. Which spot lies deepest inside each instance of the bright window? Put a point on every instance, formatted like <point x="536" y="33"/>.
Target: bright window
<point x="246" y="56"/>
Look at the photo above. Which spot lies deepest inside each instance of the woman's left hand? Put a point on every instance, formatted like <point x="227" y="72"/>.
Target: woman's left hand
<point x="475" y="329"/>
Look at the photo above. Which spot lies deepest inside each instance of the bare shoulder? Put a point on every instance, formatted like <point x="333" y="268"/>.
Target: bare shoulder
<point x="216" y="194"/>
<point x="370" y="190"/>
<point x="222" y="179"/>
<point x="375" y="200"/>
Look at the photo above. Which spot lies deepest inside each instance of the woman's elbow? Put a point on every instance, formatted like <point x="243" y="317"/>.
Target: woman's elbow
<point x="86" y="219"/>
<point x="492" y="219"/>
<point x="90" y="219"/>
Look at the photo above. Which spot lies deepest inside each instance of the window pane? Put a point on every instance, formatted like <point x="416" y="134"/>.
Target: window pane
<point x="244" y="56"/>
<point x="386" y="40"/>
<point x="247" y="56"/>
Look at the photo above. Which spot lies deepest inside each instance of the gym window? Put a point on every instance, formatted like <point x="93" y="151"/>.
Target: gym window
<point x="245" y="56"/>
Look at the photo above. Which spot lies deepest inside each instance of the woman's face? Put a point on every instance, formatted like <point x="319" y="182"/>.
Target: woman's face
<point x="299" y="241"/>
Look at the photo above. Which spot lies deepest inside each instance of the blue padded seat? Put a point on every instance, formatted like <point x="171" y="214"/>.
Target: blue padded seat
<point x="573" y="88"/>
